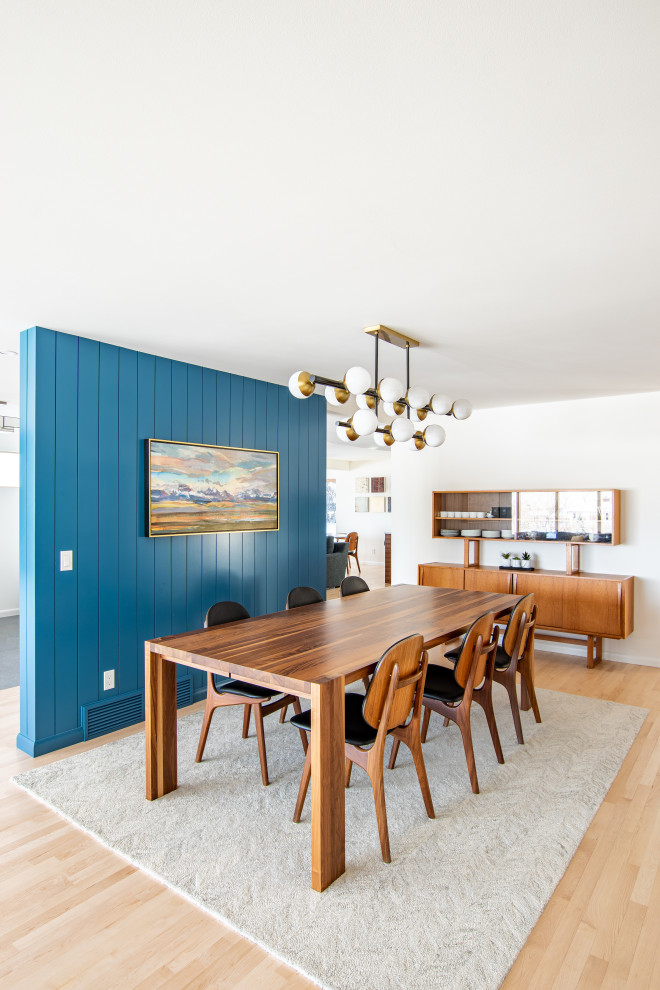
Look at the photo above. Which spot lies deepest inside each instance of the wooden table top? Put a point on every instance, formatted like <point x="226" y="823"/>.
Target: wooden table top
<point x="292" y="649"/>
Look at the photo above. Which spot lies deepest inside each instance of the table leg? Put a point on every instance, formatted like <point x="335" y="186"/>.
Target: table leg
<point x="160" y="727"/>
<point x="327" y="745"/>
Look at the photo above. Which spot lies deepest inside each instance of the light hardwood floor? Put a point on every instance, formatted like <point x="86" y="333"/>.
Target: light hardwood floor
<point x="73" y="914"/>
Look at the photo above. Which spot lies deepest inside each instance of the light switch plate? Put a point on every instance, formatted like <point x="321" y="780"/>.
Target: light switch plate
<point x="66" y="560"/>
<point x="108" y="680"/>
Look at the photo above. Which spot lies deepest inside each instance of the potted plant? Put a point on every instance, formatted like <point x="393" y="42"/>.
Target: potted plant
<point x="526" y="560"/>
<point x="506" y="557"/>
<point x="515" y="560"/>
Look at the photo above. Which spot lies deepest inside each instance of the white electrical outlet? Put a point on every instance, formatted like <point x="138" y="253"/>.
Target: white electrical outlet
<point x="66" y="560"/>
<point x="108" y="679"/>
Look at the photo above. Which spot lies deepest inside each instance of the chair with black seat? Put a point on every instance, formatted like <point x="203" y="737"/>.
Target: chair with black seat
<point x="451" y="692"/>
<point x="392" y="705"/>
<point x="515" y="655"/>
<point x="352" y="585"/>
<point x="303" y="595"/>
<point x="223" y="692"/>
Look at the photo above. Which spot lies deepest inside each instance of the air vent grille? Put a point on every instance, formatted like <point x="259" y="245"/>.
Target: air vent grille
<point x="115" y="713"/>
<point x="184" y="692"/>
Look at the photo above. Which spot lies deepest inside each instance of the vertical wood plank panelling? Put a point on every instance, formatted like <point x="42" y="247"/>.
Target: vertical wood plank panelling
<point x="163" y="547"/>
<point x="178" y="552"/>
<point x="66" y="531"/>
<point x="26" y="540"/>
<point x="236" y="590"/>
<point x="223" y="406"/>
<point x="44" y="532"/>
<point x="293" y="543"/>
<point x="283" y="553"/>
<point x="209" y="435"/>
<point x="108" y="513"/>
<point x="127" y="518"/>
<point x="318" y="529"/>
<point x="260" y="539"/>
<point x="145" y="546"/>
<point x="87" y="409"/>
<point x="88" y="521"/>
<point x="248" y="419"/>
<point x="273" y="538"/>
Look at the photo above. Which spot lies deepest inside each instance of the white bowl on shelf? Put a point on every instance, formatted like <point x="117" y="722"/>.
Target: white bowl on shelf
<point x="449" y="532"/>
<point x="507" y="534"/>
<point x="470" y="532"/>
<point x="490" y="534"/>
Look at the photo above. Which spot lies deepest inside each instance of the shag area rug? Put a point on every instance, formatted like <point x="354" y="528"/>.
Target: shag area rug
<point x="463" y="891"/>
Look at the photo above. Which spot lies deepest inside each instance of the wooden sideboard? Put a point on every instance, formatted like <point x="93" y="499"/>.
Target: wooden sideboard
<point x="598" y="606"/>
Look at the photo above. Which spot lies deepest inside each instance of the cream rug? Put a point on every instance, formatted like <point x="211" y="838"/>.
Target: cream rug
<point x="463" y="891"/>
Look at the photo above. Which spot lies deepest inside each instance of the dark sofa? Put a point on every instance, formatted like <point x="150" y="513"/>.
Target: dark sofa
<point x="336" y="562"/>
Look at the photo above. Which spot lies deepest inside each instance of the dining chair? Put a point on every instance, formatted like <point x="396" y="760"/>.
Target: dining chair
<point x="352" y="585"/>
<point x="451" y="692"/>
<point x="515" y="654"/>
<point x="223" y="692"/>
<point x="352" y="540"/>
<point x="303" y="595"/>
<point x="391" y="706"/>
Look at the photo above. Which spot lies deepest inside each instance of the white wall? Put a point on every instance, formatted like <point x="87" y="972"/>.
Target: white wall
<point x="609" y="442"/>
<point x="8" y="524"/>
<point x="370" y="526"/>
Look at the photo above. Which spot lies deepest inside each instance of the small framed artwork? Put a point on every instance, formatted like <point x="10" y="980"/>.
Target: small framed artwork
<point x="362" y="504"/>
<point x="377" y="503"/>
<point x="361" y="486"/>
<point x="378" y="485"/>
<point x="197" y="488"/>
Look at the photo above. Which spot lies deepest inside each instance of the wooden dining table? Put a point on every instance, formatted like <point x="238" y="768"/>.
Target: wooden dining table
<point x="312" y="652"/>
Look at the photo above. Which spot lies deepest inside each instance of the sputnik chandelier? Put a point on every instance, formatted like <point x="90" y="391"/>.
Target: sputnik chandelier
<point x="409" y="406"/>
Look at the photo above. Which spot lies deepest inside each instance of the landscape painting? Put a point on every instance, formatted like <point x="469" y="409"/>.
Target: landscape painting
<point x="195" y="488"/>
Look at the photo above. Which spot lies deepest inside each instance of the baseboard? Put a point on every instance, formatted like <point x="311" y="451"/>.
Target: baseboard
<point x="580" y="651"/>
<point x="37" y="747"/>
<point x="6" y="612"/>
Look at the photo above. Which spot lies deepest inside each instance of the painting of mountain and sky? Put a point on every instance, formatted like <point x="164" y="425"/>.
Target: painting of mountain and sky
<point x="193" y="488"/>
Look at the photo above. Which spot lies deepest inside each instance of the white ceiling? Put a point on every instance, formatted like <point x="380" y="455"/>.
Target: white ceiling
<point x="246" y="184"/>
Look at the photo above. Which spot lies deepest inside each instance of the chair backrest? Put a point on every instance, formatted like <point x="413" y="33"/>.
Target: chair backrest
<point x="225" y="612"/>
<point x="481" y="628"/>
<point x="510" y="638"/>
<point x="352" y="540"/>
<point x="302" y="596"/>
<point x="409" y="657"/>
<point x="352" y="585"/>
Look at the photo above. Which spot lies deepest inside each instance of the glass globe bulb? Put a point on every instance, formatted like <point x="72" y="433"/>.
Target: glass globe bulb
<point x="417" y="397"/>
<point x="461" y="409"/>
<point x="300" y="385"/>
<point x="364" y="422"/>
<point x="357" y="380"/>
<point x="402" y="429"/>
<point x="365" y="401"/>
<point x="390" y="389"/>
<point x="341" y="433"/>
<point x="434" y="435"/>
<point x="331" y="396"/>
<point x="383" y="439"/>
<point x="441" y="404"/>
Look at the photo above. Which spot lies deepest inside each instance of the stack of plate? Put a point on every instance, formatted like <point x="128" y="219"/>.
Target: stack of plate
<point x="470" y="532"/>
<point x="507" y="534"/>
<point x="449" y="532"/>
<point x="490" y="534"/>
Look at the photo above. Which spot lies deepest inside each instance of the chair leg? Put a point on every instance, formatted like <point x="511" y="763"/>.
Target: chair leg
<point x="349" y="767"/>
<point x="206" y="724"/>
<point x="466" y="732"/>
<point x="485" y="698"/>
<point x="360" y="572"/>
<point x="528" y="696"/>
<point x="304" y="784"/>
<point x="446" y="722"/>
<point x="515" y="711"/>
<point x="393" y="754"/>
<point x="381" y="812"/>
<point x="259" y="725"/>
<point x="303" y="735"/>
<point x="415" y="746"/>
<point x="246" y="720"/>
<point x="425" y="723"/>
<point x="365" y="681"/>
<point x="283" y="713"/>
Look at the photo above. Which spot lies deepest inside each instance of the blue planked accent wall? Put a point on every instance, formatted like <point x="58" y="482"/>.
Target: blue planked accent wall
<point x="86" y="409"/>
